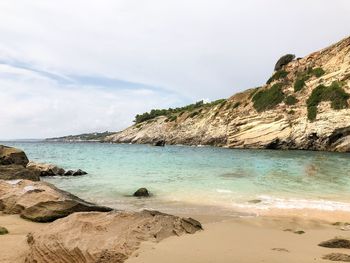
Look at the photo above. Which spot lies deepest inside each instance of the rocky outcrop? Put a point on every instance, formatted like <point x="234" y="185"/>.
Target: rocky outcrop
<point x="10" y="155"/>
<point x="336" y="243"/>
<point x="15" y="171"/>
<point x="45" y="169"/>
<point x="41" y="201"/>
<point x="236" y="123"/>
<point x="103" y="237"/>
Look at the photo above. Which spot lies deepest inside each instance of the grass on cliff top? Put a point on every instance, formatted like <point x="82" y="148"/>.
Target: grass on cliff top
<point x="171" y="113"/>
<point x="305" y="76"/>
<point x="333" y="93"/>
<point x="268" y="99"/>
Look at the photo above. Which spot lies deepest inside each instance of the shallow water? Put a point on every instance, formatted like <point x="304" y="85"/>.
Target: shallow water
<point x="199" y="179"/>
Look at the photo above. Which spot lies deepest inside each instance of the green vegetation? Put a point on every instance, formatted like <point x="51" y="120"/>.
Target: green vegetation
<point x="3" y="231"/>
<point x="281" y="74"/>
<point x="290" y="100"/>
<point x="268" y="99"/>
<point x="305" y="76"/>
<point x="170" y="113"/>
<point x="333" y="93"/>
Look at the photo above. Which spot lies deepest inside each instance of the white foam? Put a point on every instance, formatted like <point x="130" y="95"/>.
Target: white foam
<point x="269" y="202"/>
<point x="223" y="191"/>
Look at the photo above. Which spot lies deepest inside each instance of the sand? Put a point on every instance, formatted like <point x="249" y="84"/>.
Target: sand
<point x="13" y="246"/>
<point x="224" y="239"/>
<point x="247" y="240"/>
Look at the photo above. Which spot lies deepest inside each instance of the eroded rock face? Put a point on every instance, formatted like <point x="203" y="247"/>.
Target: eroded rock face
<point x="15" y="171"/>
<point x="41" y="201"/>
<point x="237" y="124"/>
<point x="10" y="155"/>
<point x="103" y="237"/>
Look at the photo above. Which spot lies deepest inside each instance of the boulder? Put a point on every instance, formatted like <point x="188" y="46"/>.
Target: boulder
<point x="284" y="60"/>
<point x="103" y="237"/>
<point x="10" y="155"/>
<point x="142" y="192"/>
<point x="46" y="169"/>
<point x="79" y="172"/>
<point x="15" y="171"/>
<point x="41" y="201"/>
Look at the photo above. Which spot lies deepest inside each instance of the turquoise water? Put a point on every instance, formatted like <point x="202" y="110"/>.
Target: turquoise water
<point x="199" y="179"/>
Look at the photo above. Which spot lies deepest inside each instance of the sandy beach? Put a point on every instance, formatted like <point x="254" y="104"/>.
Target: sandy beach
<point x="245" y="240"/>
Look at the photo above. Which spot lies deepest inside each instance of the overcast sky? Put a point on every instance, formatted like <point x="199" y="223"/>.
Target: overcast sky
<point x="68" y="67"/>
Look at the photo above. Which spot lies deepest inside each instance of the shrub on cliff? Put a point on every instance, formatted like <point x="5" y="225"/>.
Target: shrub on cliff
<point x="269" y="98"/>
<point x="333" y="93"/>
<point x="281" y="74"/>
<point x="291" y="100"/>
<point x="305" y="76"/>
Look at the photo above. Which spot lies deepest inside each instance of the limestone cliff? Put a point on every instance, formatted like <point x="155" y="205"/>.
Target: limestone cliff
<point x="304" y="105"/>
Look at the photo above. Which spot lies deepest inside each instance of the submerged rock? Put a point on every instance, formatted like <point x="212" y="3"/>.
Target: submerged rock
<point x="102" y="237"/>
<point x="41" y="201"/>
<point x="142" y="192"/>
<point x="336" y="243"/>
<point x="15" y="171"/>
<point x="79" y="172"/>
<point x="11" y="155"/>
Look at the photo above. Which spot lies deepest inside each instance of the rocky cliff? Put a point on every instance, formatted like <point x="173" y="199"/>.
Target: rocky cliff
<point x="304" y="105"/>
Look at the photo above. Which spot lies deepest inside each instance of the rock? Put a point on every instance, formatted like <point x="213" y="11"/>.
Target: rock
<point x="284" y="60"/>
<point x="280" y="249"/>
<point x="69" y="173"/>
<point x="79" y="172"/>
<point x="142" y="192"/>
<point x="299" y="232"/>
<point x="159" y="143"/>
<point x="337" y="257"/>
<point x="336" y="243"/>
<point x="10" y="155"/>
<point x="255" y="201"/>
<point x="3" y="231"/>
<point x="101" y="237"/>
<point x="46" y="169"/>
<point x="15" y="171"/>
<point x="41" y="201"/>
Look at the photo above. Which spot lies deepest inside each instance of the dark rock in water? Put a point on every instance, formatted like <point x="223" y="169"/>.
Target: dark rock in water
<point x="284" y="60"/>
<point x="79" y="172"/>
<point x="336" y="243"/>
<point x="142" y="192"/>
<point x="40" y="201"/>
<point x="337" y="257"/>
<point x="3" y="231"/>
<point x="10" y="155"/>
<point x="159" y="143"/>
<point x="69" y="173"/>
<point x="15" y="171"/>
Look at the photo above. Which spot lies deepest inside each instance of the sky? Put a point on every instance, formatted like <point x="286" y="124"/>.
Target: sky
<point x="76" y="66"/>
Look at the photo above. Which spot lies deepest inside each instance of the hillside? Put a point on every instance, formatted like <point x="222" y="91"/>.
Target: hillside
<point x="96" y="136"/>
<point x="304" y="105"/>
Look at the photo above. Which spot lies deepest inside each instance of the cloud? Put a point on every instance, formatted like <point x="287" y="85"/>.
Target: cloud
<point x="175" y="51"/>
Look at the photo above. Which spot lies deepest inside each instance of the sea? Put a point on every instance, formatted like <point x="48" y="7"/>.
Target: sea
<point x="199" y="180"/>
